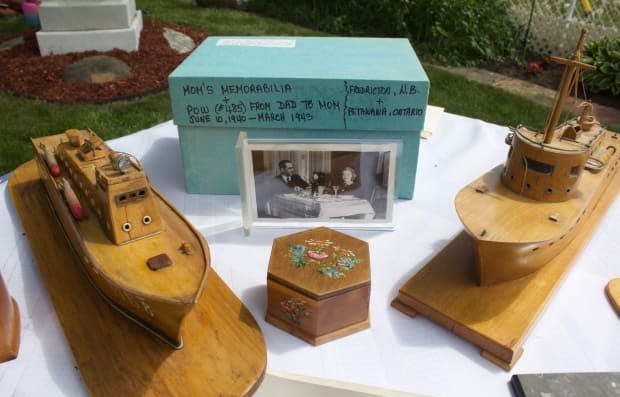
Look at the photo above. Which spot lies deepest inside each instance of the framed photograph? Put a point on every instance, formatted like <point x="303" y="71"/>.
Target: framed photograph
<point x="308" y="183"/>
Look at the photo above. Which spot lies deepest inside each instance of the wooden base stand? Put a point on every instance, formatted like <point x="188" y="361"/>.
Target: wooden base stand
<point x="9" y="325"/>
<point x="613" y="293"/>
<point x="317" y="339"/>
<point x="495" y="318"/>
<point x="224" y="350"/>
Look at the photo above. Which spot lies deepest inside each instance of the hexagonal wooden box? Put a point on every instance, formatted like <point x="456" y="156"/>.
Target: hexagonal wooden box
<point x="318" y="285"/>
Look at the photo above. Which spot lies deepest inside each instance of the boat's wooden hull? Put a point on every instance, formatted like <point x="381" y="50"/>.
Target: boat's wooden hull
<point x="128" y="287"/>
<point x="224" y="352"/>
<point x="9" y="325"/>
<point x="514" y="236"/>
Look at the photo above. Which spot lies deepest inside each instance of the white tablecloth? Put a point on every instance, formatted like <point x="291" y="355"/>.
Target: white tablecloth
<point x="578" y="331"/>
<point x="327" y="206"/>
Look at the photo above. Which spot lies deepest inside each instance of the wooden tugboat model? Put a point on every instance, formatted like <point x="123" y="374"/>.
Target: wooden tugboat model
<point x="524" y="221"/>
<point x="224" y="351"/>
<point x="136" y="248"/>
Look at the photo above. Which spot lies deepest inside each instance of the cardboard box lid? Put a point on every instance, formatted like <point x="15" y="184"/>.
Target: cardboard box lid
<point x="320" y="262"/>
<point x="301" y="82"/>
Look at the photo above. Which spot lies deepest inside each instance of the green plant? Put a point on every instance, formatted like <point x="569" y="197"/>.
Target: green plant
<point x="362" y="18"/>
<point x="343" y="17"/>
<point x="297" y="12"/>
<point x="236" y="4"/>
<point x="605" y="55"/>
<point x="466" y="32"/>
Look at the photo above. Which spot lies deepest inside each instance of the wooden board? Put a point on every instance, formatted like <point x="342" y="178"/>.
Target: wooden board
<point x="613" y="293"/>
<point x="9" y="325"/>
<point x="495" y="318"/>
<point x="224" y="352"/>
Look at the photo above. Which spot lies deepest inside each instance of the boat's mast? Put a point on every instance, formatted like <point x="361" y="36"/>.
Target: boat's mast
<point x="570" y="77"/>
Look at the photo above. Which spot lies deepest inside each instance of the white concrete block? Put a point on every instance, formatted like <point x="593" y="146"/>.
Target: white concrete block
<point x="91" y="40"/>
<point x="63" y="15"/>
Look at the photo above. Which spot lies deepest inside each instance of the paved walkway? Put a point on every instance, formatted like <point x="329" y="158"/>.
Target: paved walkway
<point x="537" y="93"/>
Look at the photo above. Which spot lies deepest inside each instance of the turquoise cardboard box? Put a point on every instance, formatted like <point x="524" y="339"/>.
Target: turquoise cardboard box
<point x="290" y="88"/>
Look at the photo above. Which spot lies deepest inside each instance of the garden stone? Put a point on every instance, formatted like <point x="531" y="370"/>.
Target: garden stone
<point x="179" y="42"/>
<point x="96" y="69"/>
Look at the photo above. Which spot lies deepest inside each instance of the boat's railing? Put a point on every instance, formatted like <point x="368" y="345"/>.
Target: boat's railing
<point x="583" y="146"/>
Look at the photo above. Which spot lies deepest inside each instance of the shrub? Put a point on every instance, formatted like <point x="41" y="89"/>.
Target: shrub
<point x="446" y="31"/>
<point x="463" y="32"/>
<point x="342" y="17"/>
<point x="298" y="12"/>
<point x="235" y="4"/>
<point x="605" y="55"/>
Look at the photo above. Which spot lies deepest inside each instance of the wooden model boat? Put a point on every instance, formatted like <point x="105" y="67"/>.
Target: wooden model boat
<point x="521" y="215"/>
<point x="9" y="325"/>
<point x="138" y="251"/>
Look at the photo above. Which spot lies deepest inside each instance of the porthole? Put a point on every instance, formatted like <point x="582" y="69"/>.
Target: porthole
<point x="574" y="171"/>
<point x="568" y="190"/>
<point x="527" y="186"/>
<point x="146" y="219"/>
<point x="549" y="190"/>
<point x="126" y="227"/>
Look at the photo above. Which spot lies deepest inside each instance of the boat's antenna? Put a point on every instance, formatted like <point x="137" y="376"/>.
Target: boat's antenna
<point x="569" y="78"/>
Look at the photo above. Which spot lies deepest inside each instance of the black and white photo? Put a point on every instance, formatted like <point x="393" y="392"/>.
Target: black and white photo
<point x="320" y="182"/>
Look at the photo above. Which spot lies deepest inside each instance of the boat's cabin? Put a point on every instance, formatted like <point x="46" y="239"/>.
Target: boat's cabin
<point x="128" y="210"/>
<point x="114" y="184"/>
<point x="549" y="171"/>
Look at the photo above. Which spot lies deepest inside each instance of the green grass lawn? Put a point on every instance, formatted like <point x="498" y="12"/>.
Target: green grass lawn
<point x="25" y="118"/>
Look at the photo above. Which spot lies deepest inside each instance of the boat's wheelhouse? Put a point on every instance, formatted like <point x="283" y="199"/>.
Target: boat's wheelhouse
<point x="127" y="210"/>
<point x="549" y="171"/>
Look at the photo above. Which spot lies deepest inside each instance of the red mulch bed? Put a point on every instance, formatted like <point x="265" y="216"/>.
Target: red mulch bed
<point x="26" y="73"/>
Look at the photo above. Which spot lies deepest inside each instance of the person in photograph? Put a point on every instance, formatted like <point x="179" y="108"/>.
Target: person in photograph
<point x="288" y="176"/>
<point x="347" y="181"/>
<point x="286" y="181"/>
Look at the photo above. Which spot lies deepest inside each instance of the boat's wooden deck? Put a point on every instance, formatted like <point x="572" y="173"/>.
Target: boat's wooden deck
<point x="127" y="266"/>
<point x="582" y="141"/>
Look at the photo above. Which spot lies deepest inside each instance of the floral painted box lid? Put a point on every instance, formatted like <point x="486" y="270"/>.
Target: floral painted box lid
<point x="320" y="263"/>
